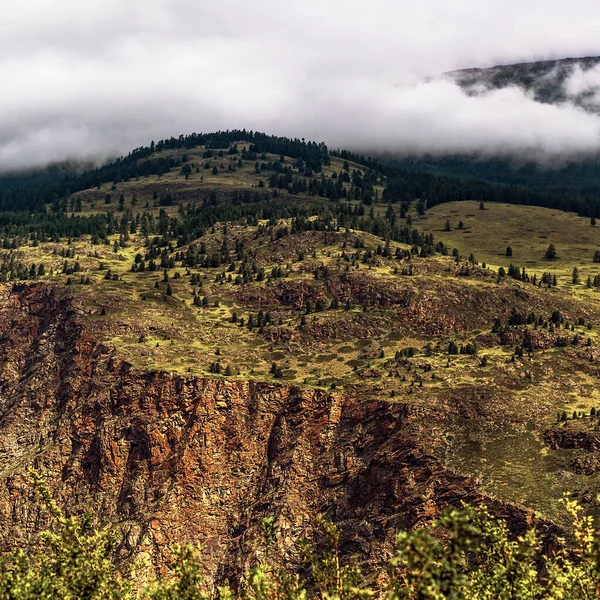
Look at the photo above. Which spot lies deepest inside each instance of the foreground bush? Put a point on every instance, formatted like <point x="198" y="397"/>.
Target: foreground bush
<point x="466" y="554"/>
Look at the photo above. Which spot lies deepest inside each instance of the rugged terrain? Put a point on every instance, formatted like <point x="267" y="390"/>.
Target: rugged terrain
<point x="171" y="458"/>
<point x="183" y="353"/>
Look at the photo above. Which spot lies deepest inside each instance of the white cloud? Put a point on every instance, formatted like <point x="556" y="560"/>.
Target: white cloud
<point x="584" y="85"/>
<point x="82" y="78"/>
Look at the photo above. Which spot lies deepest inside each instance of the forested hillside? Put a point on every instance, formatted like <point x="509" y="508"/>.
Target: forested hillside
<point x="575" y="187"/>
<point x="571" y="183"/>
<point x="219" y="329"/>
<point x="546" y="81"/>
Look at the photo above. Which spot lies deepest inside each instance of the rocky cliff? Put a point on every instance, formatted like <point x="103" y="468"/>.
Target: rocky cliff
<point x="168" y="458"/>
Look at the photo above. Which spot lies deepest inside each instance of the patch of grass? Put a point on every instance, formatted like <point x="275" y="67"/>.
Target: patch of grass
<point x="528" y="230"/>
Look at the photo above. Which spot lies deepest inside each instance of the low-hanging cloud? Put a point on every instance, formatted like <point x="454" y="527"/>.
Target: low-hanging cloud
<point x="86" y="80"/>
<point x="583" y="87"/>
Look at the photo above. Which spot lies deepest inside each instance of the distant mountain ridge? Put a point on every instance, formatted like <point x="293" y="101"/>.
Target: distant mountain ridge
<point x="549" y="81"/>
<point x="572" y="184"/>
<point x="567" y="80"/>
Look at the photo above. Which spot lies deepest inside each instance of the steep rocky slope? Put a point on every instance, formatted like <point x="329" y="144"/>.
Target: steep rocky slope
<point x="169" y="458"/>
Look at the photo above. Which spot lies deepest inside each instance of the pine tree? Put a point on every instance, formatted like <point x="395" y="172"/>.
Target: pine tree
<point x="550" y="253"/>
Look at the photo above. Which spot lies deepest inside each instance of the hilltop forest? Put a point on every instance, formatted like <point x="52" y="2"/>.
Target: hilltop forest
<point x="233" y="339"/>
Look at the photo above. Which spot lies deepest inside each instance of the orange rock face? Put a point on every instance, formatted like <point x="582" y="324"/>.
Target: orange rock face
<point x="169" y="459"/>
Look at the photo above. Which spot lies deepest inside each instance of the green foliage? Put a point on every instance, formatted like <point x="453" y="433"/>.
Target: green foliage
<point x="186" y="582"/>
<point x="466" y="554"/>
<point x="71" y="561"/>
<point x="479" y="559"/>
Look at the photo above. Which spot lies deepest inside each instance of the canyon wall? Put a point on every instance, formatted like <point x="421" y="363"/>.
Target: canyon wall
<point x="165" y="458"/>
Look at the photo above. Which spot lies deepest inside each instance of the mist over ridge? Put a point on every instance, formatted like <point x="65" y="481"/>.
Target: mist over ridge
<point x="89" y="82"/>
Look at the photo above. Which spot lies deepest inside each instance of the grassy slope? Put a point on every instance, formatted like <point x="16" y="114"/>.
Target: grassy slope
<point x="528" y="230"/>
<point x="468" y="407"/>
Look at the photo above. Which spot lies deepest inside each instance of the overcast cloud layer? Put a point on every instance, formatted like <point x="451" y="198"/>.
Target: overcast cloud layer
<point x="85" y="79"/>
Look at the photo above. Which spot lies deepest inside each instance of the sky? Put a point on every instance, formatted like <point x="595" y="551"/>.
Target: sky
<point x="82" y="79"/>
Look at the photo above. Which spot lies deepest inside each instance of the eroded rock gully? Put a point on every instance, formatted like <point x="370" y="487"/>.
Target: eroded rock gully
<point x="170" y="459"/>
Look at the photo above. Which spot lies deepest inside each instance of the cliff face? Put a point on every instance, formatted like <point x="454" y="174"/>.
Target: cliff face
<point x="170" y="459"/>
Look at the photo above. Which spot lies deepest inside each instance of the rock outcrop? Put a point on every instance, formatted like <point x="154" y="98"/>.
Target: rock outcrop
<point x="168" y="458"/>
